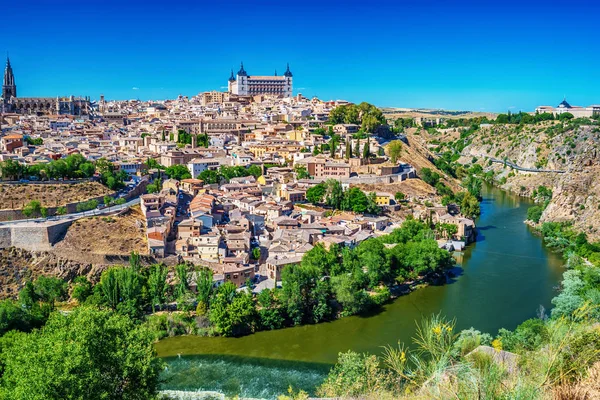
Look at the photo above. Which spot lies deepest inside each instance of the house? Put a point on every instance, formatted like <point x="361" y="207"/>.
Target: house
<point x="191" y="186"/>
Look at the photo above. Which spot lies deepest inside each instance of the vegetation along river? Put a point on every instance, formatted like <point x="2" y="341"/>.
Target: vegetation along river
<point x="502" y="280"/>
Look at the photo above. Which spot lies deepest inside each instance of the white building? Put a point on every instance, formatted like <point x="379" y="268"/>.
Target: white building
<point x="564" y="107"/>
<point x="246" y="85"/>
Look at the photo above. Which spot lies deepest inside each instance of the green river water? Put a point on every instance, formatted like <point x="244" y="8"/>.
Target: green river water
<point x="502" y="279"/>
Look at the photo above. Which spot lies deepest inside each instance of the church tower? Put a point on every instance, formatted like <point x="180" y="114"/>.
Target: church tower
<point x="242" y="81"/>
<point x="9" y="89"/>
<point x="288" y="82"/>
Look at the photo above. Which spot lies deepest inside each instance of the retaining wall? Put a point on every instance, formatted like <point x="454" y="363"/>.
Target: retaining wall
<point x="33" y="236"/>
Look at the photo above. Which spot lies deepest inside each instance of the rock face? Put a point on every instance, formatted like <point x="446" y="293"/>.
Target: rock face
<point x="18" y="266"/>
<point x="552" y="146"/>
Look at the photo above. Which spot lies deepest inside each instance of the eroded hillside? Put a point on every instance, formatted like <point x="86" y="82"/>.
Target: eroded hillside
<point x="572" y="148"/>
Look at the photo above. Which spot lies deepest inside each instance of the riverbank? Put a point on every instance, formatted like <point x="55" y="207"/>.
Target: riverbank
<point x="493" y="289"/>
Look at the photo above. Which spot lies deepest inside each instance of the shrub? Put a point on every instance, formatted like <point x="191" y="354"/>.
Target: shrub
<point x="534" y="214"/>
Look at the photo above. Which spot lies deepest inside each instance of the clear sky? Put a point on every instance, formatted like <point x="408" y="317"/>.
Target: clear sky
<point x="476" y="55"/>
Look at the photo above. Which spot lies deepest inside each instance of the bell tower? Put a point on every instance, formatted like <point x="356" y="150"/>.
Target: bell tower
<point x="9" y="89"/>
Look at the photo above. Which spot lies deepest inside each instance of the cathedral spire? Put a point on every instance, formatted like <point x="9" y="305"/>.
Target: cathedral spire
<point x="231" y="77"/>
<point x="9" y="89"/>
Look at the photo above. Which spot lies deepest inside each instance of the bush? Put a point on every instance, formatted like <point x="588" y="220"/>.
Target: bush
<point x="534" y="213"/>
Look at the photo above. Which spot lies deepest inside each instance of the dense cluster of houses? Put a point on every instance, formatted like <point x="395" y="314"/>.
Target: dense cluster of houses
<point x="220" y="225"/>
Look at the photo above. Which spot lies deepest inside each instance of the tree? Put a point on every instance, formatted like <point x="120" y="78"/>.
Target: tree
<point x="256" y="253"/>
<point x="430" y="177"/>
<point x="33" y="208"/>
<point x="301" y="172"/>
<point x="178" y="172"/>
<point x="270" y="312"/>
<point x="12" y="169"/>
<point x="334" y="194"/>
<point x="333" y="143"/>
<point x="469" y="206"/>
<point x="349" y="292"/>
<point x="395" y="150"/>
<point x="182" y="286"/>
<point x="232" y="313"/>
<point x="82" y="289"/>
<point x="372" y="256"/>
<point x="473" y="185"/>
<point x="154" y="187"/>
<point x="87" y="354"/>
<point x="348" y="149"/>
<point x="357" y="148"/>
<point x="366" y="150"/>
<point x="566" y="116"/>
<point x="157" y="285"/>
<point x="204" y="286"/>
<point x="355" y="200"/>
<point x="50" y="289"/>
<point x="399" y="196"/>
<point x="107" y="200"/>
<point x="316" y="193"/>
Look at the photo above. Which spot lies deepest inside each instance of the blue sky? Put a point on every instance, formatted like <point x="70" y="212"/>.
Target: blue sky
<point x="475" y="55"/>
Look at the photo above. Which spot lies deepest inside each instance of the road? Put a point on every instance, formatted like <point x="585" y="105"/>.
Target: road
<point x="75" y="216"/>
<point x="510" y="164"/>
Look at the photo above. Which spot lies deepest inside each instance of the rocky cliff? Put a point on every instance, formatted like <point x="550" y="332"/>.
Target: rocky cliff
<point x="571" y="148"/>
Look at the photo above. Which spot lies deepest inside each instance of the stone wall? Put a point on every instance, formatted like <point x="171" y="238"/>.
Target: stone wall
<point x="33" y="236"/>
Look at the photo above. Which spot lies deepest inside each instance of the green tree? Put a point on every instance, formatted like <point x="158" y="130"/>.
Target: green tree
<point x="182" y="286"/>
<point x="366" y="150"/>
<point x="348" y="148"/>
<point x="82" y="289"/>
<point x="204" y="286"/>
<point x="256" y="253"/>
<point x="301" y="172"/>
<point x="469" y="206"/>
<point x="334" y="193"/>
<point x="430" y="177"/>
<point x="372" y="256"/>
<point x="32" y="209"/>
<point x="178" y="172"/>
<point x="50" y="289"/>
<point x="395" y="150"/>
<point x="232" y="313"/>
<point x="12" y="169"/>
<point x="107" y="200"/>
<point x="357" y="148"/>
<point x="270" y="312"/>
<point x="157" y="285"/>
<point x="316" y="193"/>
<point x="399" y="196"/>
<point x="88" y="354"/>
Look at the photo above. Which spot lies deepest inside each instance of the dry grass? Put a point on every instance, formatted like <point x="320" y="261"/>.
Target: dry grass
<point x="110" y="235"/>
<point x="50" y="195"/>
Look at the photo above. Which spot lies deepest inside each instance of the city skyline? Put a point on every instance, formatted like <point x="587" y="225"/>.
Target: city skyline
<point x="483" y="58"/>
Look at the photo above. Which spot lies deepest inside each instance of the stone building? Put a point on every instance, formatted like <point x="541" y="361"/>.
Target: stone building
<point x="246" y="85"/>
<point x="39" y="105"/>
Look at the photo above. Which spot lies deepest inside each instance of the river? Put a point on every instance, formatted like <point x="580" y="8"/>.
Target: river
<point x="502" y="280"/>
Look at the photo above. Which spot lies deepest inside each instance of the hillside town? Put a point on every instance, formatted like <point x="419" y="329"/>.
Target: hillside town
<point x="227" y="176"/>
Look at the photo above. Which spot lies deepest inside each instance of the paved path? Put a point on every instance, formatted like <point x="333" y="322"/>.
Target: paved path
<point x="75" y="216"/>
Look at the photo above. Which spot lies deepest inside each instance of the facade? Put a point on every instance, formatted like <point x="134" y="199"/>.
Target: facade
<point x="245" y="85"/>
<point x="565" y="107"/>
<point x="39" y="105"/>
